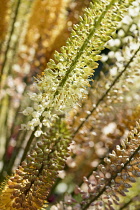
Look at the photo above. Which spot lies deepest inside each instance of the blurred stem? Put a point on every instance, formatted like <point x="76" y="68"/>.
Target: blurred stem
<point x="10" y="36"/>
<point x="10" y="64"/>
<point x="15" y="154"/>
<point x="19" y="35"/>
<point x="15" y="118"/>
<point x="8" y="168"/>
<point x="4" y="104"/>
<point x="28" y="145"/>
<point x="10" y="134"/>
<point x="6" y="119"/>
<point x="126" y="204"/>
<point x="1" y="43"/>
<point x="130" y="201"/>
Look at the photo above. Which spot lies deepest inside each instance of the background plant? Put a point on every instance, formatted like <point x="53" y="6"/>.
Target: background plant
<point x="86" y="138"/>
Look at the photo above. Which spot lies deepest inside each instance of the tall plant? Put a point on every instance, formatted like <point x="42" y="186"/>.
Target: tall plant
<point x="47" y="131"/>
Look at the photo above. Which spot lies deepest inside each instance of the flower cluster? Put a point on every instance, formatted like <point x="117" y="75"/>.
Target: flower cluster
<point x="65" y="81"/>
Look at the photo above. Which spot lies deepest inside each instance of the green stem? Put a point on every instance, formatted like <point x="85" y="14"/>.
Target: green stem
<point x="19" y="142"/>
<point x="6" y="120"/>
<point x="16" y="114"/>
<point x="19" y="35"/>
<point x="130" y="201"/>
<point x="126" y="204"/>
<point x="11" y="64"/>
<point x="16" y="151"/>
<point x="28" y="145"/>
<point x="8" y="167"/>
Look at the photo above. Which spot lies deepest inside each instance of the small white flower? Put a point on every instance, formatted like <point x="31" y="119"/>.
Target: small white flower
<point x="46" y="114"/>
<point x="35" y="122"/>
<point x="28" y="111"/>
<point x="38" y="107"/>
<point x="127" y="20"/>
<point x="38" y="133"/>
<point x="46" y="123"/>
<point x="121" y="33"/>
<point x="30" y="126"/>
<point x="45" y="103"/>
<point x="36" y="114"/>
<point x="33" y="96"/>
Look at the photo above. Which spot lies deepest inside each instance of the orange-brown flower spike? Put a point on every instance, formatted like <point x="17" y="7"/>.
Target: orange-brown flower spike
<point x="32" y="182"/>
<point x="46" y="20"/>
<point x="114" y="178"/>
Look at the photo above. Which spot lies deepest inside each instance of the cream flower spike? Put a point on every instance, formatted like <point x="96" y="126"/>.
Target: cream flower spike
<point x="65" y="81"/>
